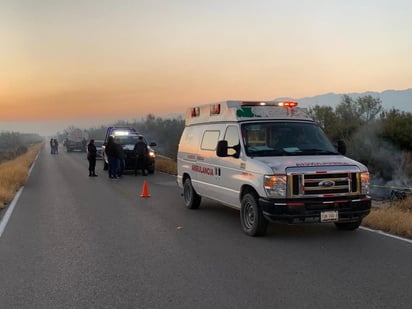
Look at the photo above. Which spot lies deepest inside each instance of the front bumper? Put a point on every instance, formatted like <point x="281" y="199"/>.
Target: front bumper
<point x="130" y="161"/>
<point x="309" y="210"/>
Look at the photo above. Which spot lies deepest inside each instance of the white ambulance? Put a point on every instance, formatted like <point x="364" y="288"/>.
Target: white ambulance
<point x="273" y="163"/>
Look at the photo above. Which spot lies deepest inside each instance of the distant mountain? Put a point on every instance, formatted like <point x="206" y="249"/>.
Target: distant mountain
<point x="398" y="99"/>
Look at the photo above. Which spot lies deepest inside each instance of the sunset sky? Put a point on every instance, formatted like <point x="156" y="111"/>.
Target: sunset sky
<point x="86" y="61"/>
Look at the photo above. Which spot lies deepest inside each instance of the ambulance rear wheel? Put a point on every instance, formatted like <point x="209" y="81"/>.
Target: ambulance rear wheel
<point x="251" y="217"/>
<point x="192" y="199"/>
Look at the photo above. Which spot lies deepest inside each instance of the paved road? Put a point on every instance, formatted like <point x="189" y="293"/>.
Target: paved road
<point x="79" y="242"/>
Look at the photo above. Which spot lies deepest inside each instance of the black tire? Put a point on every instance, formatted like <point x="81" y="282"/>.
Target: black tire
<point x="192" y="199"/>
<point x="151" y="168"/>
<point x="251" y="217"/>
<point x="348" y="226"/>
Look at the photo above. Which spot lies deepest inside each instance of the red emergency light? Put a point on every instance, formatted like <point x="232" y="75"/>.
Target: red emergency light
<point x="195" y="112"/>
<point x="215" y="109"/>
<point x="290" y="104"/>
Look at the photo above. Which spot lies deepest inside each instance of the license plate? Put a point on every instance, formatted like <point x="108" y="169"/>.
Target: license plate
<point x="329" y="216"/>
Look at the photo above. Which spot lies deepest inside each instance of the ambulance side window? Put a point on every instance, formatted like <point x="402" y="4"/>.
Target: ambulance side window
<point x="232" y="138"/>
<point x="209" y="140"/>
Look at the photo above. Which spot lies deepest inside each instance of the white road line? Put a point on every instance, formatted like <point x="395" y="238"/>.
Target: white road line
<point x="386" y="234"/>
<point x="10" y="209"/>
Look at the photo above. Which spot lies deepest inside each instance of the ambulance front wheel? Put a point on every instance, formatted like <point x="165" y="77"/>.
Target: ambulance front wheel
<point x="251" y="217"/>
<point x="192" y="199"/>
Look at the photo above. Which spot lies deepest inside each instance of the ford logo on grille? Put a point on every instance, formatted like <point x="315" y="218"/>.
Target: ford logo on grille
<point x="326" y="183"/>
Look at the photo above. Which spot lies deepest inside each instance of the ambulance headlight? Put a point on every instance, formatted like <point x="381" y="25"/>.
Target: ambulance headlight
<point x="275" y="185"/>
<point x="364" y="182"/>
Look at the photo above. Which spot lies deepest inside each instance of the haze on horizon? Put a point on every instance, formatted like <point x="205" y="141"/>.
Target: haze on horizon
<point x="91" y="61"/>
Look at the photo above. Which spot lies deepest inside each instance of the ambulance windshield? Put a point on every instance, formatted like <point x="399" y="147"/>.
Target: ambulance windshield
<point x="285" y="139"/>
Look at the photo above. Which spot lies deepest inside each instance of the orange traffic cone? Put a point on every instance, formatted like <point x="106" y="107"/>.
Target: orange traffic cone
<point x="145" y="190"/>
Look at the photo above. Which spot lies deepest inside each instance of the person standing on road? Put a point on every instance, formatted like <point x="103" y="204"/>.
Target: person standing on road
<point x="91" y="156"/>
<point x="120" y="158"/>
<point x="111" y="156"/>
<point x="141" y="152"/>
<point x="56" y="146"/>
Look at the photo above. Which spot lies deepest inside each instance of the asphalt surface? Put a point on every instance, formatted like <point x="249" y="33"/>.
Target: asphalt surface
<point x="75" y="241"/>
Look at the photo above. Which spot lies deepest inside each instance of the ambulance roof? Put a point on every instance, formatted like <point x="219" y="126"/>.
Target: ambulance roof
<point x="244" y="110"/>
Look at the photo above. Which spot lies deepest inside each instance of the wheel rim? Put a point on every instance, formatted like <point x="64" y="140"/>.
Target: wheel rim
<point x="249" y="216"/>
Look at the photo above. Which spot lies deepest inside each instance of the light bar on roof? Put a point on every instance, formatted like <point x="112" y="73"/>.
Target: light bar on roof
<point x="289" y="104"/>
<point x="120" y="132"/>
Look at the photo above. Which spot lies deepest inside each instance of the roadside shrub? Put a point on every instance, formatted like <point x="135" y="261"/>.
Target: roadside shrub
<point x="6" y="155"/>
<point x="21" y="150"/>
<point x="166" y="165"/>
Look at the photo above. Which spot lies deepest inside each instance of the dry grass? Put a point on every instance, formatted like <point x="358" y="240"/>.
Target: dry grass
<point x="166" y="165"/>
<point x="394" y="218"/>
<point x="13" y="174"/>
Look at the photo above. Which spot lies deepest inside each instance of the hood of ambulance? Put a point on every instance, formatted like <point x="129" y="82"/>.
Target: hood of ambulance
<point x="280" y="164"/>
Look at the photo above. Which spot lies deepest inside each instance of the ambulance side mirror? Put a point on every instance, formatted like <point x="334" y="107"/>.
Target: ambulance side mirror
<point x="223" y="148"/>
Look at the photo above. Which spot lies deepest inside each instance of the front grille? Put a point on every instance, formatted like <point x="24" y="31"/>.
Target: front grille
<point x="315" y="182"/>
<point x="130" y="154"/>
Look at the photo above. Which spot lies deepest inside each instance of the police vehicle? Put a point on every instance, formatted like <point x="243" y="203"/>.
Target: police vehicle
<point x="127" y="137"/>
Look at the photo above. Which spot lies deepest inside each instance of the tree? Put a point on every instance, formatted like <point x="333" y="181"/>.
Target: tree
<point x="326" y="118"/>
<point x="397" y="128"/>
<point x="368" y="107"/>
<point x="348" y="117"/>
